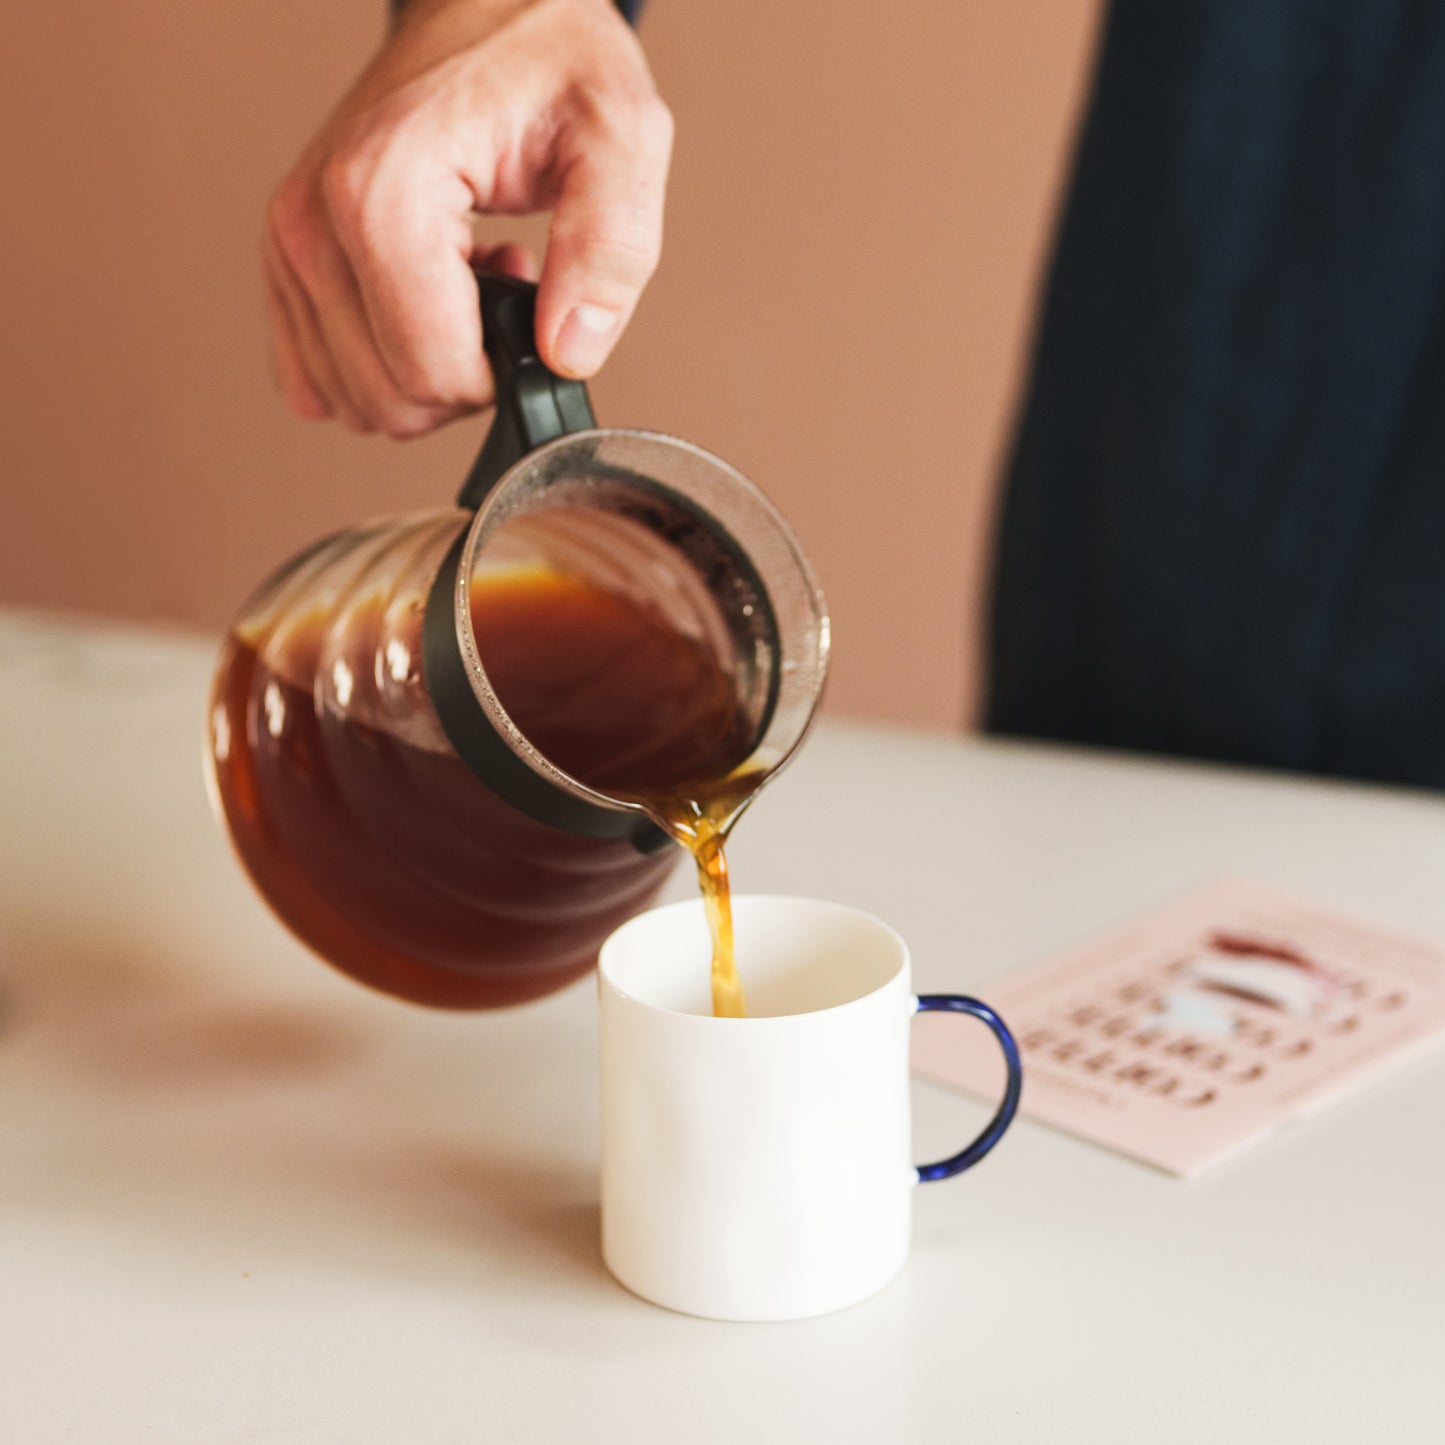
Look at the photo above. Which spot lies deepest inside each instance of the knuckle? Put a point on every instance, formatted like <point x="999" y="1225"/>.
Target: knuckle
<point x="346" y="185"/>
<point x="657" y="122"/>
<point x="417" y="385"/>
<point x="421" y="386"/>
<point x="395" y="417"/>
<point x="283" y="209"/>
<point x="295" y="228"/>
<point x="367" y="177"/>
<point x="402" y="426"/>
<point x="635" y="114"/>
<point x="627" y="252"/>
<point x="611" y="265"/>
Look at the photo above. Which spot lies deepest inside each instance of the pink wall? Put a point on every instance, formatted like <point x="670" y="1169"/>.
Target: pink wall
<point x="859" y="210"/>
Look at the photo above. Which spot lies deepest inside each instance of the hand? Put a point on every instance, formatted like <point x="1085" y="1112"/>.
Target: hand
<point x="506" y="106"/>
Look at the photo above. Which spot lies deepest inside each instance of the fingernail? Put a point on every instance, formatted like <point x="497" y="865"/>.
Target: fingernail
<point x="586" y="337"/>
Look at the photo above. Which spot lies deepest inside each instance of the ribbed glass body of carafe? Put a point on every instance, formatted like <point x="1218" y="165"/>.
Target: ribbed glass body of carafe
<point x="354" y="817"/>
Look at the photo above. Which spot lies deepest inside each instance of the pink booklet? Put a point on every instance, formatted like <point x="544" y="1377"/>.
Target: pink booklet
<point x="1199" y="1029"/>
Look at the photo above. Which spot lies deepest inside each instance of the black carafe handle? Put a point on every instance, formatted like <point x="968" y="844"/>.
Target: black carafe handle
<point x="534" y="405"/>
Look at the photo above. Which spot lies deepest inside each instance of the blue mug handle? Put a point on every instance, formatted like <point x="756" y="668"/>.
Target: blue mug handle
<point x="968" y="1156"/>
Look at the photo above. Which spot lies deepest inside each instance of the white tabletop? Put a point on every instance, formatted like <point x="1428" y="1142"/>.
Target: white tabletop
<point x="242" y="1199"/>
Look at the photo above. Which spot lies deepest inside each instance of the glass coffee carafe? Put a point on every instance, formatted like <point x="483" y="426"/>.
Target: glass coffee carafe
<point x="445" y="745"/>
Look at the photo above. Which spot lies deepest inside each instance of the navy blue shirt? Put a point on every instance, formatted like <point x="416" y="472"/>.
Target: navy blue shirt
<point x="1224" y="527"/>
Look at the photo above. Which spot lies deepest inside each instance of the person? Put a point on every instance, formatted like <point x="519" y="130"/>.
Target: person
<point x="1225" y="501"/>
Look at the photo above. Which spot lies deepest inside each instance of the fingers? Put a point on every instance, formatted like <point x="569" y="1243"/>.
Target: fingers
<point x="606" y="233"/>
<point x="294" y="382"/>
<point x="369" y="251"/>
<point x="328" y="356"/>
<point x="302" y="360"/>
<point x="402" y="271"/>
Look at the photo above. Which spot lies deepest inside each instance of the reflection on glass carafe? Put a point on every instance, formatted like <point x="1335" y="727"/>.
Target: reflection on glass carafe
<point x="435" y="739"/>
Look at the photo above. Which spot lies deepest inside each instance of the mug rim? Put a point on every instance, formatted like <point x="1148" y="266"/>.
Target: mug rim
<point x="902" y="969"/>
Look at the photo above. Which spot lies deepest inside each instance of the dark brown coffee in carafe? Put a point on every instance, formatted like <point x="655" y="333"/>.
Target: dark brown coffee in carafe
<point x="381" y="853"/>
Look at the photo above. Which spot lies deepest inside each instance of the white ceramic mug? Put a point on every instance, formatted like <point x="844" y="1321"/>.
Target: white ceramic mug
<point x="758" y="1168"/>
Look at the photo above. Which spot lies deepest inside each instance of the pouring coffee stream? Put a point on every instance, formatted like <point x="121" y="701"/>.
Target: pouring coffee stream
<point x="454" y="749"/>
<point x="702" y="823"/>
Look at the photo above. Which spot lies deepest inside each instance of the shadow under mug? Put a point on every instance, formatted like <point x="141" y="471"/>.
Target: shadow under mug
<point x="758" y="1168"/>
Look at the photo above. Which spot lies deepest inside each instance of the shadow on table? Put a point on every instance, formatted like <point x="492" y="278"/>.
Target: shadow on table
<point x="154" y="1109"/>
<point x="111" y="1010"/>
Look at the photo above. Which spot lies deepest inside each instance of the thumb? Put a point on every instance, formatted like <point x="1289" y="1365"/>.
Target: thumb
<point x="605" y="240"/>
